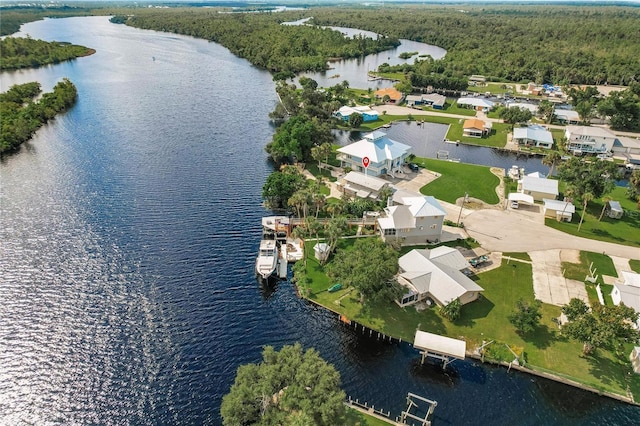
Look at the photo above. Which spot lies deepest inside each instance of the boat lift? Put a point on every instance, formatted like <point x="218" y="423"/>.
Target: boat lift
<point x="439" y="347"/>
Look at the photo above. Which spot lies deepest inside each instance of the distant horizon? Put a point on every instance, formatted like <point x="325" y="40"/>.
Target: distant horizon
<point x="339" y="2"/>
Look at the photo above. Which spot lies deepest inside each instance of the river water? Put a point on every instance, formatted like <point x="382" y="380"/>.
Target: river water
<point x="128" y="233"/>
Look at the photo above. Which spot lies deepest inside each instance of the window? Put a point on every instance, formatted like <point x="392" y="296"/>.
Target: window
<point x="389" y="232"/>
<point x="434" y="226"/>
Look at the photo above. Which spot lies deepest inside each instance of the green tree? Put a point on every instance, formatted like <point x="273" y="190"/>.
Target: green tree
<point x="584" y="101"/>
<point x="280" y="186"/>
<point x="321" y="152"/>
<point x="604" y="326"/>
<point x="586" y="197"/>
<point x="551" y="160"/>
<point x="594" y="177"/>
<point x="369" y="267"/>
<point x="290" y="386"/>
<point x="334" y="229"/>
<point x="633" y="190"/>
<point x="514" y="115"/>
<point x="404" y="86"/>
<point x="355" y="120"/>
<point x="451" y="310"/>
<point x="526" y="317"/>
<point x="546" y="110"/>
<point x="605" y="200"/>
<point x="623" y="108"/>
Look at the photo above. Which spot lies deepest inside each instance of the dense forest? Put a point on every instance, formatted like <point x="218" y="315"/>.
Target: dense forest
<point x="545" y="44"/>
<point x="13" y="17"/>
<point x="261" y="38"/>
<point x="21" y="115"/>
<point x="19" y="52"/>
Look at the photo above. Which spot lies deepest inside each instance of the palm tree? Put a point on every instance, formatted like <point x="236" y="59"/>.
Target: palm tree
<point x="605" y="200"/>
<point x="586" y="197"/>
<point x="551" y="159"/>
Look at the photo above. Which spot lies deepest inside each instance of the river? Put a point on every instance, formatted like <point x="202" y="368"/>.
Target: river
<point x="128" y="233"/>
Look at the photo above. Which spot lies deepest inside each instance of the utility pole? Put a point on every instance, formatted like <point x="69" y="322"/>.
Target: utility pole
<point x="464" y="200"/>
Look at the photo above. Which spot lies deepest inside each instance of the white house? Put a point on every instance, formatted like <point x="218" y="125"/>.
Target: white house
<point x="436" y="274"/>
<point x="533" y="135"/>
<point x="538" y="188"/>
<point x="533" y="108"/>
<point x="560" y="210"/>
<point x="589" y="140"/>
<point x="412" y="218"/>
<point x="367" y="113"/>
<point x="478" y="104"/>
<point x="567" y="116"/>
<point x="385" y="156"/>
<point x="627" y="291"/>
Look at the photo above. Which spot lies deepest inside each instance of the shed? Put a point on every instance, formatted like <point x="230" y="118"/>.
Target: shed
<point x="439" y="347"/>
<point x="321" y="251"/>
<point x="614" y="210"/>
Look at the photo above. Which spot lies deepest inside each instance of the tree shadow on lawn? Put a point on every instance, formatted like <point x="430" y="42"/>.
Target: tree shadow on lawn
<point x="605" y="234"/>
<point x="608" y="371"/>
<point x="541" y="338"/>
<point x="472" y="311"/>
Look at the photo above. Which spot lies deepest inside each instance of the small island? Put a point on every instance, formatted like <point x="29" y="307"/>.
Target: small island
<point x="18" y="52"/>
<point x="21" y="115"/>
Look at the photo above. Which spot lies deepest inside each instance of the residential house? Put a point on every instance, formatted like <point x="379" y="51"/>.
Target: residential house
<point x="533" y="135"/>
<point x="566" y="116"/>
<point x="356" y="184"/>
<point x="437" y="275"/>
<point x="560" y="210"/>
<point x="477" y="104"/>
<point x="533" y="108"/>
<point x="367" y="113"/>
<point x="477" y="80"/>
<point x="395" y="97"/>
<point x="627" y="291"/>
<point x="385" y="156"/>
<point x="628" y="149"/>
<point x="538" y="188"/>
<point x="434" y="100"/>
<point x="411" y="218"/>
<point x="589" y="140"/>
<point x="476" y="128"/>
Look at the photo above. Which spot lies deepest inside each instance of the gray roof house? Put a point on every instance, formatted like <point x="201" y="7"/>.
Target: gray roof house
<point x="589" y="139"/>
<point x="437" y="275"/>
<point x="627" y="291"/>
<point x="539" y="188"/>
<point x="533" y="135"/>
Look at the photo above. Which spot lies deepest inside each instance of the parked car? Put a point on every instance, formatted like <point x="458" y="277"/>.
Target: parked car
<point x="514" y="204"/>
<point x="414" y="167"/>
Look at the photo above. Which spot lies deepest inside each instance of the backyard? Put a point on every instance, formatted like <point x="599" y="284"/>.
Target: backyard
<point x="620" y="231"/>
<point x="456" y="179"/>
<point x="484" y="320"/>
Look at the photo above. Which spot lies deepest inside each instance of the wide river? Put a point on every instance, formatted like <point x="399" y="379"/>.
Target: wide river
<point x="128" y="233"/>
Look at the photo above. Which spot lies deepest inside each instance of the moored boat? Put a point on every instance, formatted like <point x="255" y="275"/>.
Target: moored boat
<point x="267" y="258"/>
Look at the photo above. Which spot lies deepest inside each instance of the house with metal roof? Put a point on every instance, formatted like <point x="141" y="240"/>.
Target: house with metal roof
<point x="566" y="116"/>
<point x="356" y="184"/>
<point x="614" y="210"/>
<point x="479" y="104"/>
<point x="589" y="140"/>
<point x="437" y="275"/>
<point x="385" y="156"/>
<point x="476" y="128"/>
<point x="538" y="188"/>
<point x="411" y="218"/>
<point x="367" y="113"/>
<point x="434" y="100"/>
<point x="627" y="290"/>
<point x="560" y="210"/>
<point x="533" y="135"/>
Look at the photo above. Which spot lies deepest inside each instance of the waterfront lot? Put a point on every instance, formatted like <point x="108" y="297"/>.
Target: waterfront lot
<point x="485" y="320"/>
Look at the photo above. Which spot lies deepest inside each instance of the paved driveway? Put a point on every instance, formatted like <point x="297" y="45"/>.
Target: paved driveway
<point x="549" y="285"/>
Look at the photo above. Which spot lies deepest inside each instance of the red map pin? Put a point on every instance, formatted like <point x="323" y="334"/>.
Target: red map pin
<point x="365" y="162"/>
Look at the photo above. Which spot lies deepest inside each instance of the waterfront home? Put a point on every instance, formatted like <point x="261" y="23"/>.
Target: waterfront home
<point x="476" y="128"/>
<point x="395" y="97"/>
<point x="434" y="100"/>
<point x="360" y="185"/>
<point x="533" y="108"/>
<point x="538" y="188"/>
<point x="627" y="290"/>
<point x="367" y="113"/>
<point x="384" y="156"/>
<point x="435" y="274"/>
<point x="559" y="210"/>
<point x="627" y="149"/>
<point x="477" y="104"/>
<point x="589" y="140"/>
<point x="411" y="218"/>
<point x="533" y="135"/>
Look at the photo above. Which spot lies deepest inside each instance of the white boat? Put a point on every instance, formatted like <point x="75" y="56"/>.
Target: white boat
<point x="267" y="258"/>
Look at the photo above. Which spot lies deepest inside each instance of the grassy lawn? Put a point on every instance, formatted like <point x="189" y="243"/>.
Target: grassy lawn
<point x="493" y="88"/>
<point x="620" y="231"/>
<point x="635" y="265"/>
<point x="578" y="271"/>
<point x="356" y="418"/>
<point x="326" y="174"/>
<point x="497" y="138"/>
<point x="458" y="178"/>
<point x="484" y="320"/>
<point x="517" y="255"/>
<point x="450" y="107"/>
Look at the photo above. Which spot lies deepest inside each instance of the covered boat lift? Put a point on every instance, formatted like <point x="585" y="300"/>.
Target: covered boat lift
<point x="439" y="347"/>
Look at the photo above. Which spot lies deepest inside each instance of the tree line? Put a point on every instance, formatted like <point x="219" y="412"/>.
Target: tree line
<point x="261" y="38"/>
<point x="21" y="115"/>
<point x="25" y="52"/>
<point x="549" y="44"/>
